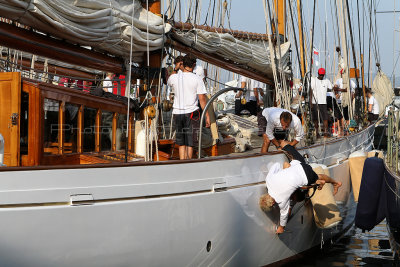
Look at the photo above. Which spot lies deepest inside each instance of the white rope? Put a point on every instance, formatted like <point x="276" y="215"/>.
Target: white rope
<point x="146" y="126"/>
<point x="128" y="87"/>
<point x="155" y="136"/>
<point x="170" y="126"/>
<point x="272" y="52"/>
<point x="282" y="76"/>
<point x="147" y="35"/>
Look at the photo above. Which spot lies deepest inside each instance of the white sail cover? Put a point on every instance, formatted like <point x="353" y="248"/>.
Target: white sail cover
<point x="254" y="54"/>
<point x="102" y="24"/>
<point x="383" y="90"/>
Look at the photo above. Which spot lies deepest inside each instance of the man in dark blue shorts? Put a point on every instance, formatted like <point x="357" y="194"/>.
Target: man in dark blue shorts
<point x="189" y="91"/>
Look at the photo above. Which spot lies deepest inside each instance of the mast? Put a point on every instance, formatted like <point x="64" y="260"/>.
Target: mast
<point x="280" y="10"/>
<point x="343" y="40"/>
<point x="302" y="52"/>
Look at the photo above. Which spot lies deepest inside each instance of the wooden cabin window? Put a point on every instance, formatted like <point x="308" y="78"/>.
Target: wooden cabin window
<point x="24" y="123"/>
<point x="71" y="128"/>
<point x="89" y="129"/>
<point x="121" y="132"/>
<point x="51" y="127"/>
<point x="106" y="130"/>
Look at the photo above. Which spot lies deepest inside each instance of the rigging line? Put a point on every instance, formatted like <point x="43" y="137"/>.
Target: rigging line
<point x="361" y="61"/>
<point x="359" y="35"/>
<point x="173" y="13"/>
<point x="326" y="35"/>
<point x="352" y="42"/>
<point x="212" y="17"/>
<point x="369" y="49"/>
<point x="208" y="10"/>
<point x="148" y="45"/>
<point x="333" y="25"/>
<point x="283" y="80"/>
<point x="372" y="33"/>
<point x="128" y="87"/>
<point x="196" y="11"/>
<point x="312" y="41"/>
<point x="294" y="36"/>
<point x="180" y="10"/>
<point x="376" y="39"/>
<point x="168" y="9"/>
<point x="228" y="14"/>
<point x="297" y="22"/>
<point x="273" y="22"/>
<point x="302" y="34"/>
<point x="160" y="87"/>
<point x="217" y="15"/>
<point x="337" y="23"/>
<point x="363" y="30"/>
<point x="189" y="14"/>
<point x="358" y="93"/>
<point x="395" y="65"/>
<point x="271" y="49"/>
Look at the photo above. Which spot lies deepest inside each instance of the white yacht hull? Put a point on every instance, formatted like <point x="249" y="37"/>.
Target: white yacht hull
<point x="159" y="214"/>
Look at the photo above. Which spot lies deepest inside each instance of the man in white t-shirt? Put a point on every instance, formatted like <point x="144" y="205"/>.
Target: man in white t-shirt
<point x="338" y="88"/>
<point x="319" y="88"/>
<point x="251" y="96"/>
<point x="283" y="182"/>
<point x="107" y="83"/>
<point x="274" y="126"/>
<point x="189" y="91"/>
<point x="373" y="106"/>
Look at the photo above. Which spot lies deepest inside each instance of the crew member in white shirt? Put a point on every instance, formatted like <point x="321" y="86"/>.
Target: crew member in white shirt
<point x="338" y="88"/>
<point x="283" y="181"/>
<point x="319" y="88"/>
<point x="189" y="91"/>
<point x="274" y="124"/>
<point x="107" y="83"/>
<point x="373" y="106"/>
<point x="251" y="96"/>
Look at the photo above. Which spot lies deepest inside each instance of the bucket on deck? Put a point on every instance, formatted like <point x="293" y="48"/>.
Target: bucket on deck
<point x="326" y="212"/>
<point x="371" y="202"/>
<point x="356" y="163"/>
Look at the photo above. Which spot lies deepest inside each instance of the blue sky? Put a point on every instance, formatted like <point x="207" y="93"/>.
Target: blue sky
<point x="249" y="16"/>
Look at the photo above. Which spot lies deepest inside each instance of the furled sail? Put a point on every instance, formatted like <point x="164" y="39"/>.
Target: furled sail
<point x="252" y="53"/>
<point x="102" y="24"/>
<point x="383" y="90"/>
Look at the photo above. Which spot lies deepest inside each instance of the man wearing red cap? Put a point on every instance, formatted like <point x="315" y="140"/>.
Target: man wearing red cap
<point x="319" y="88"/>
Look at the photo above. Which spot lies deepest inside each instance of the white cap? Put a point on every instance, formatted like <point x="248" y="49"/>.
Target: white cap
<point x="199" y="71"/>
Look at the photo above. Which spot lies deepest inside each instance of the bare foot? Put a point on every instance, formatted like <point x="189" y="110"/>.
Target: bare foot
<point x="336" y="186"/>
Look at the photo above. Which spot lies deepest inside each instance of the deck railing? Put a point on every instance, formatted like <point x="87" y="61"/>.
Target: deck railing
<point x="393" y="136"/>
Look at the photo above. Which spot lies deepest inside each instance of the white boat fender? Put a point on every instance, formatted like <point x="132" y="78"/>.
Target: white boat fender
<point x="141" y="143"/>
<point x="1" y="150"/>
